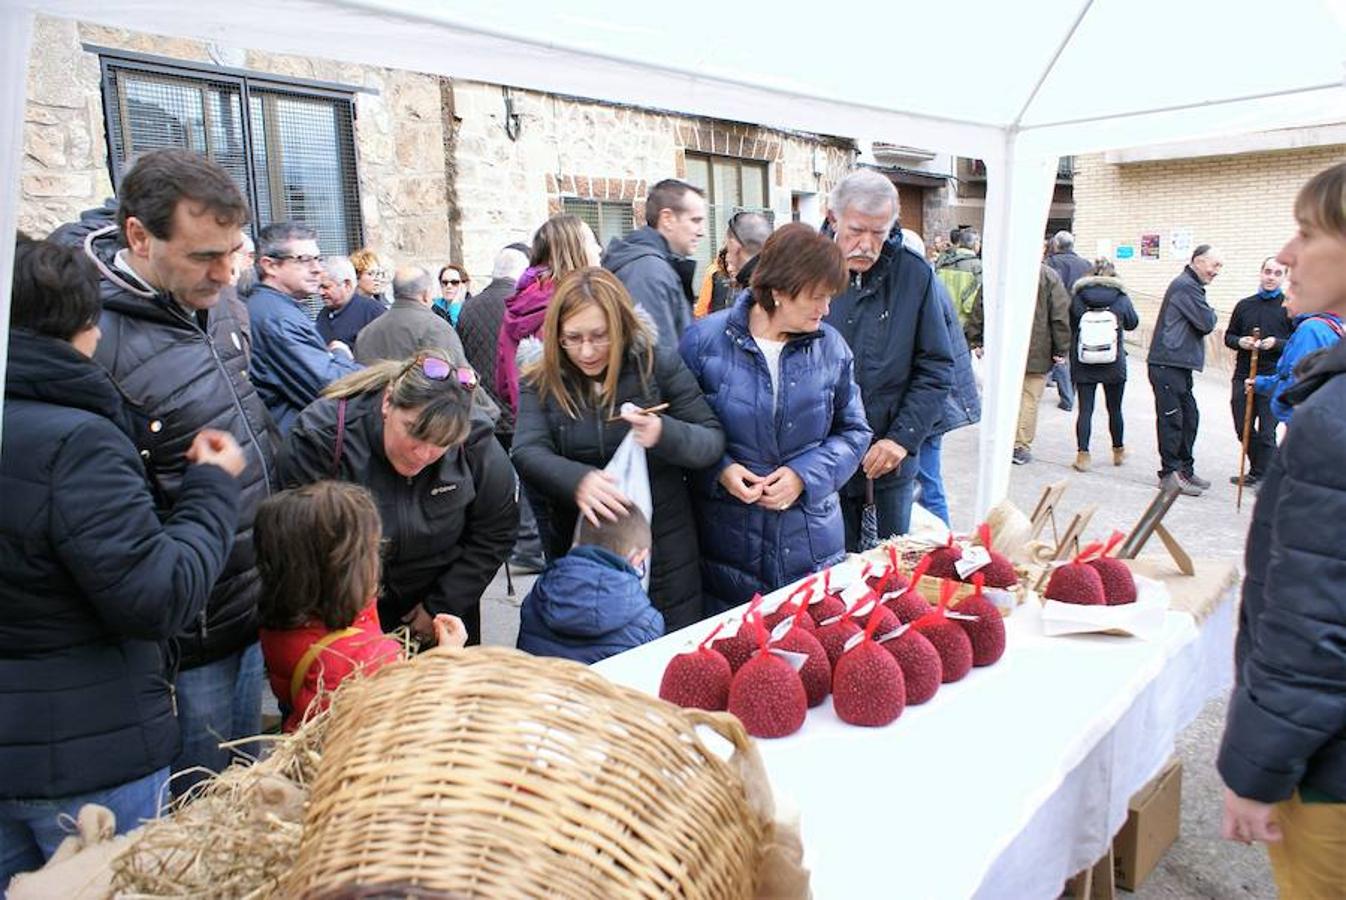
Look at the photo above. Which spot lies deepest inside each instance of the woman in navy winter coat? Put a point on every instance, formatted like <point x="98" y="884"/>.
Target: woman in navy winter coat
<point x="93" y="583"/>
<point x="1283" y="755"/>
<point x="781" y="383"/>
<point x="1101" y="291"/>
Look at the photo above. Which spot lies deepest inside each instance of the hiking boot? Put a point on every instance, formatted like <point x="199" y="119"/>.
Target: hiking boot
<point x="1082" y="461"/>
<point x="1066" y="407"/>
<point x="527" y="563"/>
<point x="1201" y="483"/>
<point x="1185" y="486"/>
<point x="1248" y="481"/>
<point x="1118" y="455"/>
<point x="1022" y="456"/>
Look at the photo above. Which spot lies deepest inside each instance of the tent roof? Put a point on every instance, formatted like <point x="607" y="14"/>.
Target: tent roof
<point x="1065" y="75"/>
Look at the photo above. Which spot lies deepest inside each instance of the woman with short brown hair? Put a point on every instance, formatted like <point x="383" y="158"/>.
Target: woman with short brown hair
<point x="597" y="355"/>
<point x="780" y="381"/>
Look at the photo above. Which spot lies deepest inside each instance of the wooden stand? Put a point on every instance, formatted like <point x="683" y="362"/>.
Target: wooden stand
<point x="1045" y="511"/>
<point x="1151" y="522"/>
<point x="1068" y="545"/>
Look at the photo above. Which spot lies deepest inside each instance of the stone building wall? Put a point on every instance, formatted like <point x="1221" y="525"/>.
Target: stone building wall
<point x="1242" y="204"/>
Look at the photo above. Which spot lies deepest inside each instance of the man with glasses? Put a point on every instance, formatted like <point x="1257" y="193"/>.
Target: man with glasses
<point x="291" y="363"/>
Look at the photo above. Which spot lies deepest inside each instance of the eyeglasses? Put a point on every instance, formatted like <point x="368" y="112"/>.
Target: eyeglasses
<point x="304" y="260"/>
<point x="571" y="342"/>
<point x="437" y="369"/>
<point x="452" y="282"/>
<point x="377" y="274"/>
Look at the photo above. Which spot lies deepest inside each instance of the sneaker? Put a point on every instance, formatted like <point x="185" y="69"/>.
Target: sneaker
<point x="1201" y="483"/>
<point x="1022" y="456"/>
<point x="1185" y="486"/>
<point x="1248" y="481"/>
<point x="527" y="563"/>
<point x="1067" y="407"/>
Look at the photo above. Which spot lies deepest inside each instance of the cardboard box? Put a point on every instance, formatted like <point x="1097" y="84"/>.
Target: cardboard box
<point x="1151" y="827"/>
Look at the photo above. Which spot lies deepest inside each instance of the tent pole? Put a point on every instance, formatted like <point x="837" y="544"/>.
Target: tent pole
<point x="1018" y="195"/>
<point x="16" y="30"/>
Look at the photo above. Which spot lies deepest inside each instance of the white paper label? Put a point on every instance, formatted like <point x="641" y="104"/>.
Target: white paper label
<point x="962" y="617"/>
<point x="974" y="558"/>
<point x="852" y="641"/>
<point x="782" y="628"/>
<point x="832" y="621"/>
<point x="796" y="660"/>
<point x="895" y="633"/>
<point x="854" y="592"/>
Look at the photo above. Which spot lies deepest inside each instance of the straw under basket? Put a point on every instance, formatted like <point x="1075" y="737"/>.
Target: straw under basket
<point x="490" y="773"/>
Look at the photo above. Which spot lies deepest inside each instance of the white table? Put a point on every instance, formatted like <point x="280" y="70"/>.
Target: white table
<point x="1006" y="783"/>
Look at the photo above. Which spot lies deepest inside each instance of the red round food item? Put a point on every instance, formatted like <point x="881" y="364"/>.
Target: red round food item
<point x="1119" y="585"/>
<point x="986" y="632"/>
<point x="786" y="611"/>
<point x="699" y="679"/>
<point x="908" y="607"/>
<point x="998" y="573"/>
<point x="768" y="697"/>
<point x="829" y="607"/>
<point x="887" y="621"/>
<point x="942" y="561"/>
<point x="952" y="645"/>
<point x="737" y="649"/>
<point x="868" y="688"/>
<point x="922" y="670"/>
<point x="816" y="673"/>
<point x="1076" y="582"/>
<point x="834" y="636"/>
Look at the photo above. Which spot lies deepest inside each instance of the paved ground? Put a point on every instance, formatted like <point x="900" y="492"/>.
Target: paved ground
<point x="1200" y="865"/>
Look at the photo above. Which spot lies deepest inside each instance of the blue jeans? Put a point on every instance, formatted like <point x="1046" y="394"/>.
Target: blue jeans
<point x="891" y="502"/>
<point x="220" y="701"/>
<point x="30" y="831"/>
<point x="1060" y="375"/>
<point x="930" y="478"/>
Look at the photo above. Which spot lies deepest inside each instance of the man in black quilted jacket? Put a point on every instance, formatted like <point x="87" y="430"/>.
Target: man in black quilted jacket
<point x="177" y="353"/>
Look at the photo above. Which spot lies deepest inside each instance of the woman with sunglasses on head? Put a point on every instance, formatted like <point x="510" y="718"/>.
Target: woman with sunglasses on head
<point x="454" y="284"/>
<point x="563" y="244"/>
<point x="442" y="483"/>
<point x="596" y="356"/>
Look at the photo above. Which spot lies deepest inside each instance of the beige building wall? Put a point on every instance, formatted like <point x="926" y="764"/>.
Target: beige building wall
<point x="399" y="135"/>
<point x="1243" y="204"/>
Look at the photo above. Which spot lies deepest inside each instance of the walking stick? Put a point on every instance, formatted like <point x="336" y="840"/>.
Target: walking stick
<point x="1248" y="414"/>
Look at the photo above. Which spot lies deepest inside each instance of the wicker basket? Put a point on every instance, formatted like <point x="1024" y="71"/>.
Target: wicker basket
<point x="490" y="773"/>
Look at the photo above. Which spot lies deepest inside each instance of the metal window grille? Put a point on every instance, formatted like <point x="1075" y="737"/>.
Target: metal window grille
<point x="732" y="185"/>
<point x="608" y="219"/>
<point x="292" y="154"/>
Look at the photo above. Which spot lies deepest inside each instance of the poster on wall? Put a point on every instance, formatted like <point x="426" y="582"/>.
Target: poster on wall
<point x="1180" y="243"/>
<point x="1126" y="251"/>
<point x="1149" y="246"/>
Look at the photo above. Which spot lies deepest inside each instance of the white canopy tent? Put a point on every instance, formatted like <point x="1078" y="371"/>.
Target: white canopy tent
<point x="1014" y="84"/>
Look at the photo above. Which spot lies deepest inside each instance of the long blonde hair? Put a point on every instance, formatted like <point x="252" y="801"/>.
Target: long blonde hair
<point x="559" y="379"/>
<point x="559" y="245"/>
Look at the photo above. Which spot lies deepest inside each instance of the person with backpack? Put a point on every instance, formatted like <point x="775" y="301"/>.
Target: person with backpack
<point x="1312" y="332"/>
<point x="1100" y="310"/>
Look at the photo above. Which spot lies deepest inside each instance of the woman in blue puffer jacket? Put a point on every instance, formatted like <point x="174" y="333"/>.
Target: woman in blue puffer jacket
<point x="781" y="383"/>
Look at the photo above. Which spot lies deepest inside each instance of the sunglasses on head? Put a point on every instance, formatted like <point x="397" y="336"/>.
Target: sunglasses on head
<point x="437" y="369"/>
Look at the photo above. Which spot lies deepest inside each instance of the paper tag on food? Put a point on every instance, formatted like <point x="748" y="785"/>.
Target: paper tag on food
<point x="782" y="628"/>
<point x="974" y="558"/>
<point x="895" y="633"/>
<point x="852" y="641"/>
<point x="962" y="617"/>
<point x="796" y="660"/>
<point x="854" y="591"/>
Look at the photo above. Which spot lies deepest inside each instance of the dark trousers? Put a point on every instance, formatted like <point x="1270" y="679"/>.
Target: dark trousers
<point x="1084" y="422"/>
<point x="528" y="540"/>
<point x="893" y="505"/>
<point x="1262" y="439"/>
<point x="1176" y="417"/>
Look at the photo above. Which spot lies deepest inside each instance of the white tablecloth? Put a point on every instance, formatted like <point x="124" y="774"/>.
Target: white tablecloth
<point x="1006" y="783"/>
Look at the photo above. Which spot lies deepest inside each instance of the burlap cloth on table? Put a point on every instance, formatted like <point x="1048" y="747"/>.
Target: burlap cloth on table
<point x="1196" y="594"/>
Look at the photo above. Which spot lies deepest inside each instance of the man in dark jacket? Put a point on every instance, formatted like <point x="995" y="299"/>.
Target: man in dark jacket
<point x="893" y="321"/>
<point x="347" y="311"/>
<point x="1265" y="313"/>
<point x="410" y="324"/>
<point x="1048" y="346"/>
<point x="650" y="261"/>
<point x="291" y="364"/>
<point x="1064" y="261"/>
<point x="1177" y="350"/>
<point x="177" y="353"/>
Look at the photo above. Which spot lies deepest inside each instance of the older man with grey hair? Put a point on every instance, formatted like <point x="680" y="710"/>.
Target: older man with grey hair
<point x="747" y="232"/>
<point x="346" y="311"/>
<point x="891" y="316"/>
<point x="409" y="325"/>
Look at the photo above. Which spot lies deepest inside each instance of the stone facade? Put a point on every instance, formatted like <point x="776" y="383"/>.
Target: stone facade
<point x="1242" y="204"/>
<point x="440" y="178"/>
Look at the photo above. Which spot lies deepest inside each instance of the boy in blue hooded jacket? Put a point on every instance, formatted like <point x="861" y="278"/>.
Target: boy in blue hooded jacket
<point x="590" y="604"/>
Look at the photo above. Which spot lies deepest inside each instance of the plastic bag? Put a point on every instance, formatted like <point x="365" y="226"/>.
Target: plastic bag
<point x="630" y="471"/>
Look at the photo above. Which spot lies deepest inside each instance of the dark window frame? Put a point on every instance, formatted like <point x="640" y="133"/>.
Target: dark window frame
<point x="622" y="208"/>
<point x="718" y="213"/>
<point x="246" y="83"/>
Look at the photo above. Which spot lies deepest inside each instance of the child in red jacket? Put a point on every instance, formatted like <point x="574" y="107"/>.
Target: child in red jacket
<point x="318" y="556"/>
